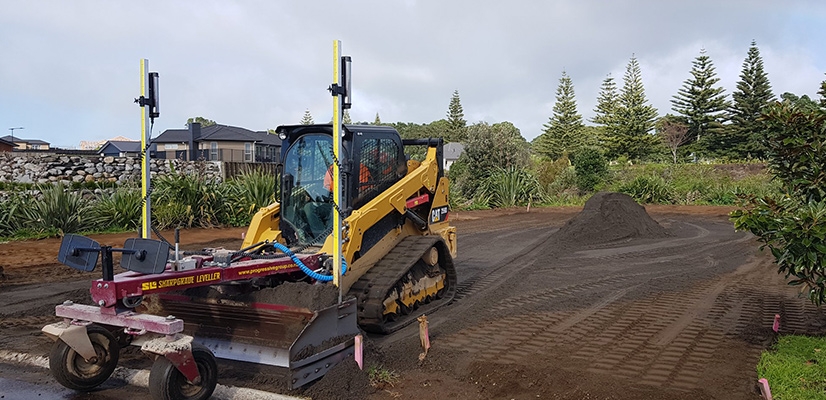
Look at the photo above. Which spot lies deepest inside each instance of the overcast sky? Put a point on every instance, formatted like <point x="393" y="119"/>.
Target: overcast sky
<point x="69" y="69"/>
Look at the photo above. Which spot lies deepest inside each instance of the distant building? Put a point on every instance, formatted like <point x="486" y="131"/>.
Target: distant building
<point x="120" y="148"/>
<point x="5" y="145"/>
<point x="217" y="143"/>
<point x="96" y="144"/>
<point x="452" y="151"/>
<point x="26" y="144"/>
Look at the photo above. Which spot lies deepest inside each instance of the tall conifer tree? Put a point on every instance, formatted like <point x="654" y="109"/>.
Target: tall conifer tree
<point x="822" y="94"/>
<point x="563" y="132"/>
<point x="457" y="125"/>
<point x="753" y="94"/>
<point x="606" y="109"/>
<point x="634" y="118"/>
<point x="701" y="104"/>
<point x="307" y="119"/>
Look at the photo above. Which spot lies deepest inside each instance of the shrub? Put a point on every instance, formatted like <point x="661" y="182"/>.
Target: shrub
<point x="57" y="211"/>
<point x="187" y="200"/>
<point x="648" y="189"/>
<point x="548" y="171"/>
<point x="792" y="226"/>
<point x="590" y="167"/>
<point x="10" y="214"/>
<point x="246" y="194"/>
<point x="119" y="210"/>
<point x="510" y="187"/>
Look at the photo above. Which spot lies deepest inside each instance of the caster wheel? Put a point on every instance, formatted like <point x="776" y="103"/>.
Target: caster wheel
<point x="167" y="383"/>
<point x="73" y="372"/>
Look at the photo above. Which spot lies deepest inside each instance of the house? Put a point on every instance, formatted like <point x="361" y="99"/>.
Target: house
<point x="120" y="148"/>
<point x="26" y="144"/>
<point x="452" y="151"/>
<point x="5" y="145"/>
<point x="97" y="144"/>
<point x="217" y="143"/>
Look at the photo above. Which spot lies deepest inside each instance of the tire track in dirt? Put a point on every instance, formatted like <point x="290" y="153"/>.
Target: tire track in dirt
<point x="504" y="267"/>
<point x="666" y="340"/>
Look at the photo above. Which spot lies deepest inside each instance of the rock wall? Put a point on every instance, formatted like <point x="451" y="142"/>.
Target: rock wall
<point x="55" y="168"/>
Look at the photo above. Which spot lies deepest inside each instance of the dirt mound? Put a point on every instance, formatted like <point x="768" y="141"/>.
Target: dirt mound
<point x="609" y="217"/>
<point x="344" y="381"/>
<point x="296" y="294"/>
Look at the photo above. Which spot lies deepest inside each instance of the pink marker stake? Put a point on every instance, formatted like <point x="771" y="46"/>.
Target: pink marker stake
<point x="359" y="354"/>
<point x="764" y="388"/>
<point x="776" y="324"/>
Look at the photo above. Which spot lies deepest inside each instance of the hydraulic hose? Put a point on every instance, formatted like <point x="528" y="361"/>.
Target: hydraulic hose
<point x="305" y="269"/>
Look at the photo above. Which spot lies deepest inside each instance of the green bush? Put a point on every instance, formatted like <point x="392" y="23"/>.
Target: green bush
<point x="120" y="210"/>
<point x="590" y="167"/>
<point x="510" y="187"/>
<point x="186" y="201"/>
<point x="57" y="211"/>
<point x="792" y="225"/>
<point x="10" y="214"/>
<point x="246" y="194"/>
<point x="648" y="189"/>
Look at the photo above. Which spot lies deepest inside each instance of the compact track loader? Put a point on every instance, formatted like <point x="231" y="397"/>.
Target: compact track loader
<point x="184" y="310"/>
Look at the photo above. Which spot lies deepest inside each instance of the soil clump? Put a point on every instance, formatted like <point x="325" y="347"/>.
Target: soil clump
<point x="295" y="294"/>
<point x="345" y="381"/>
<point x="609" y="217"/>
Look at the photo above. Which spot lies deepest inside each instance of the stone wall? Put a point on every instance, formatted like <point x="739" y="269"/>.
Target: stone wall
<point x="43" y="168"/>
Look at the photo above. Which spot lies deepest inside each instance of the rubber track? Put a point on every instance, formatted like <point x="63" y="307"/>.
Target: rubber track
<point x="372" y="288"/>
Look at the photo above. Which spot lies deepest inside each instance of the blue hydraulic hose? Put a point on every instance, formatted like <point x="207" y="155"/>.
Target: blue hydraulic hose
<point x="305" y="269"/>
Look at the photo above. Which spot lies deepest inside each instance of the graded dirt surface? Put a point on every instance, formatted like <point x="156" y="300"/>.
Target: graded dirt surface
<point x="679" y="315"/>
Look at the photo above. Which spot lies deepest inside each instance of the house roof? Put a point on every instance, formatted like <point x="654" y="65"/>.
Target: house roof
<point x="6" y="142"/>
<point x="122" y="146"/>
<point x="18" y="139"/>
<point x="219" y="133"/>
<point x="453" y="150"/>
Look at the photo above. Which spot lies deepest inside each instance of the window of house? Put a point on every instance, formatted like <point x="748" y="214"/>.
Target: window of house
<point x="213" y="151"/>
<point x="248" y="152"/>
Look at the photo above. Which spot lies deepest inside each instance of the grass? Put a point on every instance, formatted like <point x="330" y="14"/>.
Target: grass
<point x="795" y="368"/>
<point x="381" y="377"/>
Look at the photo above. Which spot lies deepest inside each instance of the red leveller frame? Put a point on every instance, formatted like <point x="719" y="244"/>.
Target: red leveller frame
<point x="108" y="294"/>
<point x="157" y="335"/>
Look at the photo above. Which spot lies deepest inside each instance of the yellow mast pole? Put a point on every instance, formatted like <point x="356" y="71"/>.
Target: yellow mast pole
<point x="146" y="212"/>
<point x="337" y="152"/>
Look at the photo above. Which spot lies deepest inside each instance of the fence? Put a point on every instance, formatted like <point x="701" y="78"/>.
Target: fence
<point x="227" y="155"/>
<point x="233" y="169"/>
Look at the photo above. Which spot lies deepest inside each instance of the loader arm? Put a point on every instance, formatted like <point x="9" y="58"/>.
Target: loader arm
<point x="421" y="179"/>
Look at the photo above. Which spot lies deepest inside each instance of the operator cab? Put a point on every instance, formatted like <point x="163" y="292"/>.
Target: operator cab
<point x="306" y="178"/>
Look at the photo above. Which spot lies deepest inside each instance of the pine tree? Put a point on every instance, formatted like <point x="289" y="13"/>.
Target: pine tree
<point x="701" y="103"/>
<point x="563" y="132"/>
<point x="754" y="92"/>
<point x="606" y="103"/>
<point x="634" y="118"/>
<point x="307" y="119"/>
<point x="377" y="121"/>
<point x="346" y="118"/>
<point x="457" y="126"/>
<point x="606" y="110"/>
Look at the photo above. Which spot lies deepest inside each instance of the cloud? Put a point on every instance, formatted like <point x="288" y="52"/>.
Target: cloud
<point x="70" y="68"/>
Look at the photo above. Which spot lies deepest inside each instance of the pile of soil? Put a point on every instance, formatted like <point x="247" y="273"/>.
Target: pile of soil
<point x="296" y="294"/>
<point x="2" y="275"/>
<point x="344" y="381"/>
<point x="609" y="217"/>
